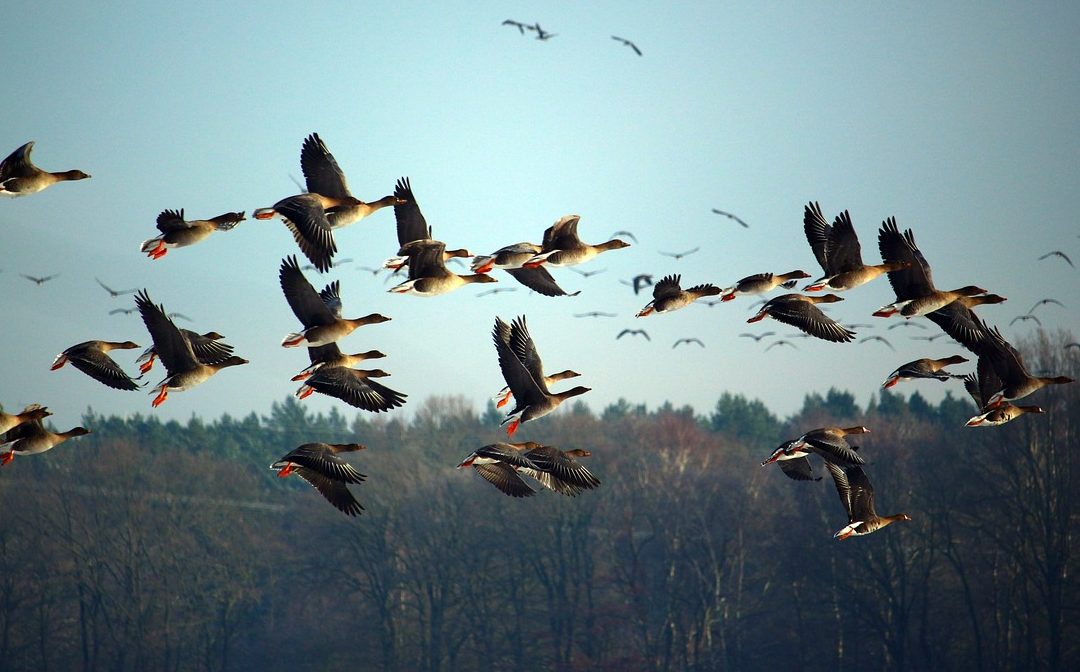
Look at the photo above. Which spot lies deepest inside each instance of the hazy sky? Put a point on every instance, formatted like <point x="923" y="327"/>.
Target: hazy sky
<point x="960" y="120"/>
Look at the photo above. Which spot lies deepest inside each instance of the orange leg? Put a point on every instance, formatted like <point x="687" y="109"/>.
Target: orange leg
<point x="147" y="365"/>
<point x="486" y="268"/>
<point x="513" y="427"/>
<point x="305" y="392"/>
<point x="160" y="398"/>
<point x="504" y="400"/>
<point x="286" y="471"/>
<point x="6" y="457"/>
<point x="60" y="361"/>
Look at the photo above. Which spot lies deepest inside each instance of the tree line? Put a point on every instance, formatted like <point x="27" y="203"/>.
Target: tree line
<point x="169" y="546"/>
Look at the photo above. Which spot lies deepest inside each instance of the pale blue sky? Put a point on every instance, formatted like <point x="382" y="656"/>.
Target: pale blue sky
<point x="958" y="119"/>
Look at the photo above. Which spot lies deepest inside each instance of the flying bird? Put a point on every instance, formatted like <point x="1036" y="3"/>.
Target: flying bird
<point x="519" y="25"/>
<point x="178" y="232"/>
<point x="780" y="342"/>
<point x="639" y="281"/>
<point x="857" y="496"/>
<point x="1025" y="318"/>
<point x="924" y="368"/>
<point x="496" y="290"/>
<point x="669" y="296"/>
<point x="92" y="358"/>
<point x="628" y="43"/>
<point x="758" y="337"/>
<point x="800" y="311"/>
<point x="184" y="369"/>
<point x="319" y="465"/>
<point x="586" y="274"/>
<point x="115" y="292"/>
<point x="633" y="332"/>
<point x="687" y="341"/>
<point x="19" y="176"/>
<point x="907" y="323"/>
<point x="624" y="233"/>
<point x="595" y="313"/>
<point x="328" y="204"/>
<point x="125" y="311"/>
<point x="1057" y="253"/>
<point x="561" y="245"/>
<point x="1043" y="302"/>
<point x="731" y="216"/>
<point x="679" y="255"/>
<point x="864" y="339"/>
<point x="523" y="372"/>
<point x="837" y="249"/>
<point x="31" y="438"/>
<point x="39" y="281"/>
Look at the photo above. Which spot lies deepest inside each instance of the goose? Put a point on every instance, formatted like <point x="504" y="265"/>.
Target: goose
<point x="913" y="285"/>
<point x="31" y="438"/>
<point x="668" y="296"/>
<point x="321" y="325"/>
<point x="178" y="232"/>
<point x="801" y="312"/>
<point x="19" y="176"/>
<point x="924" y="368"/>
<point x="319" y="465"/>
<point x="857" y="496"/>
<point x="562" y="246"/>
<point x="838" y="251"/>
<point x="9" y="421"/>
<point x="185" y="371"/>
<point x="759" y="283"/>
<point x="523" y="371"/>
<point x="92" y="358"/>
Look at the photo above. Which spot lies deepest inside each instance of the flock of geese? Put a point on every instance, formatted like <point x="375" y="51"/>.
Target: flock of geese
<point x="191" y="358"/>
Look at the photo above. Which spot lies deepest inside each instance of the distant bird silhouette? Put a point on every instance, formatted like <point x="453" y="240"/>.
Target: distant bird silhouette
<point x="1024" y="318"/>
<point x="586" y="274"/>
<point x="782" y="342"/>
<point x="628" y="43"/>
<point x="679" y="255"/>
<point x="907" y="323"/>
<point x="928" y="338"/>
<point x="595" y="313"/>
<point x="625" y="234"/>
<point x="758" y="337"/>
<point x="541" y="34"/>
<point x="864" y="339"/>
<point x="372" y="270"/>
<point x="333" y="264"/>
<point x="1057" y="253"/>
<point x="173" y="316"/>
<point x="633" y="332"/>
<point x="116" y="292"/>
<point x="125" y="311"/>
<point x="520" y="26"/>
<point x="731" y="216"/>
<point x="1074" y="344"/>
<point x="37" y="280"/>
<point x="860" y="326"/>
<point x="496" y="291"/>
<point x="687" y="341"/>
<point x="639" y="281"/>
<point x="1045" y="301"/>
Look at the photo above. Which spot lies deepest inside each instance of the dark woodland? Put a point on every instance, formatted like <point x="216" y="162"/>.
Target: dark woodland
<point x="168" y="546"/>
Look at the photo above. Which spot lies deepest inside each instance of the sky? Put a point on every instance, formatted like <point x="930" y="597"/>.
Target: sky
<point x="959" y="120"/>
